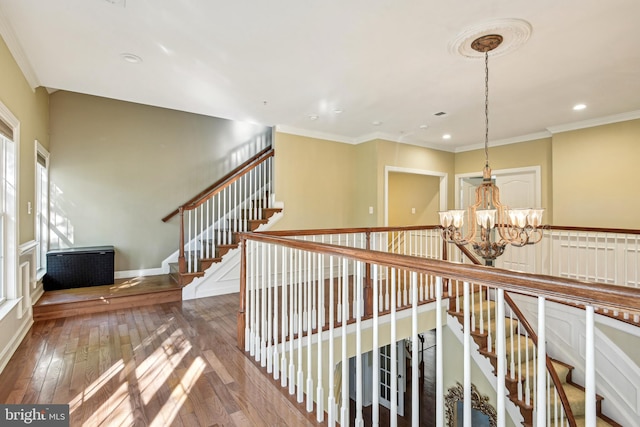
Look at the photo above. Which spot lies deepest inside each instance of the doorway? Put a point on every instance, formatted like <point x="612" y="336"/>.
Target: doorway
<point x="413" y="196"/>
<point x="519" y="188"/>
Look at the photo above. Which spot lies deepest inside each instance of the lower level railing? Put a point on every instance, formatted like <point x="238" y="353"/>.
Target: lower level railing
<point x="307" y="308"/>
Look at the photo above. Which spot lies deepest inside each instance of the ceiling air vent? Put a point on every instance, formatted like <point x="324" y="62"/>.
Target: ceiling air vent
<point x="441" y="113"/>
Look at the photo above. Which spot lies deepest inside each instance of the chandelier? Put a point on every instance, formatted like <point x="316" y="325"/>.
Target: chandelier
<point x="492" y="225"/>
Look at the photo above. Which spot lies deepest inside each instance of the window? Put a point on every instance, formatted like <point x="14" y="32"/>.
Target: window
<point x="42" y="206"/>
<point x="9" y="133"/>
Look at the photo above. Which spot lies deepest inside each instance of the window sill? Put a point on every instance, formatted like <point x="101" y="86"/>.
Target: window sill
<point x="7" y="306"/>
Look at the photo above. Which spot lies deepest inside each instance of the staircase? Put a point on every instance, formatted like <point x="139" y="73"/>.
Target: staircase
<point x="218" y="246"/>
<point x="211" y="221"/>
<point x="520" y="344"/>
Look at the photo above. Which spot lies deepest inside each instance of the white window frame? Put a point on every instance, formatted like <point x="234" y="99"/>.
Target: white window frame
<point x="9" y="287"/>
<point x="42" y="209"/>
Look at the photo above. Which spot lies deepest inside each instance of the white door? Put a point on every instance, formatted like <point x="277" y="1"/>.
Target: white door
<point x="518" y="189"/>
<point x="386" y="378"/>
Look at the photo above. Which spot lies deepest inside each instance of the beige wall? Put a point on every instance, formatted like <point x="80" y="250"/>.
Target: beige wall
<point x="327" y="184"/>
<point x="595" y="176"/>
<point x="31" y="109"/>
<point x="411" y="157"/>
<point x="118" y="168"/>
<point x="413" y="199"/>
<point x="314" y="179"/>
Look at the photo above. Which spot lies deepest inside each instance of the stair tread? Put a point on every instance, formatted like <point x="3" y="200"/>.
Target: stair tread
<point x="561" y="369"/>
<point x="582" y="422"/>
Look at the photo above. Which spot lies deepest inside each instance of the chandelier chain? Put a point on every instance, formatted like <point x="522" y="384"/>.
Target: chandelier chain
<point x="486" y="108"/>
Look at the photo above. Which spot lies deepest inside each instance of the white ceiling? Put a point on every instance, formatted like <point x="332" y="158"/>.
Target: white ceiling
<point x="278" y="62"/>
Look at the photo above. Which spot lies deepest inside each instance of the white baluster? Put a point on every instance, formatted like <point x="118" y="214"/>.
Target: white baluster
<point x="189" y="255"/>
<point x="344" y="364"/>
<point x="466" y="357"/>
<point x="263" y="310"/>
<point x="590" y="375"/>
<point x="251" y="298"/>
<point x="439" y="356"/>
<point x="320" y="323"/>
<point x="269" y="334"/>
<point x="512" y="366"/>
<point x="283" y="329"/>
<point x="501" y="354"/>
<point x="375" y="362"/>
<point x="309" y="288"/>
<point x="358" y="291"/>
<point x="541" y="383"/>
<point x="292" y="319"/>
<point x="519" y="375"/>
<point x="481" y="311"/>
<point x="394" y="357"/>
<point x="331" y="402"/>
<point x="276" y="313"/>
<point x="300" y="382"/>
<point x="528" y="385"/>
<point x="472" y="312"/>
<point x="415" y="354"/>
<point x="489" y="334"/>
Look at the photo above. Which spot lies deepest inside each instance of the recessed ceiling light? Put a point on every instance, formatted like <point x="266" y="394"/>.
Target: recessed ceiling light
<point x="337" y="111"/>
<point x="131" y="58"/>
<point x="579" y="107"/>
<point x="313" y="117"/>
<point x="446" y="136"/>
<point x="424" y="126"/>
<point x="376" y="123"/>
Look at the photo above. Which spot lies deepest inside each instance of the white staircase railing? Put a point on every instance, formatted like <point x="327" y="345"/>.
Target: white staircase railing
<point x="608" y="256"/>
<point x="308" y="307"/>
<point x="237" y="203"/>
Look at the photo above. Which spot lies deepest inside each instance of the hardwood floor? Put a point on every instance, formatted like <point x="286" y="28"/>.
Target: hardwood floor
<point x="165" y="364"/>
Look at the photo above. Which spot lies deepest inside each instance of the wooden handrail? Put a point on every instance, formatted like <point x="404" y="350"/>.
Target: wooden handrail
<point x="592" y="229"/>
<point x="560" y="288"/>
<point x="227" y="179"/>
<point x="324" y="231"/>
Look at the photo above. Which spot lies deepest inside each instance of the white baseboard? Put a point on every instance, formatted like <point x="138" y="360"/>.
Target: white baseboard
<point x="12" y="346"/>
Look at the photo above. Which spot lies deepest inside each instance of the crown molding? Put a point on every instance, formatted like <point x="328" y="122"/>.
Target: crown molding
<point x="549" y="132"/>
<point x="615" y="118"/>
<point x="506" y="141"/>
<point x="315" y="134"/>
<point x="11" y="40"/>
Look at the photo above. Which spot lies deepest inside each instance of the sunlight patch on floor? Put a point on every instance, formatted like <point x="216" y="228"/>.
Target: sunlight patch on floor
<point x="179" y="394"/>
<point x="116" y="410"/>
<point x="95" y="387"/>
<point x="155" y="369"/>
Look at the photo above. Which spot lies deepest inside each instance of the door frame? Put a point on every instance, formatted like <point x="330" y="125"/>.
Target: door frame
<point x="537" y="191"/>
<point x="443" y="186"/>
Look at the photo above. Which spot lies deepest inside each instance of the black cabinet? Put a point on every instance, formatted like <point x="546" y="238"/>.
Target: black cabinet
<point x="79" y="267"/>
